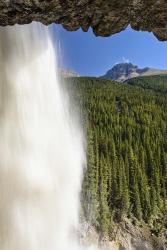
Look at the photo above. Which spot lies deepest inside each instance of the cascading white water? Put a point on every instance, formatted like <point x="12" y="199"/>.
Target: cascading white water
<point x="41" y="149"/>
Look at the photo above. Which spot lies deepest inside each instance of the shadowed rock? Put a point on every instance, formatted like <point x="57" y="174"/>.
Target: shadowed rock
<point x="106" y="17"/>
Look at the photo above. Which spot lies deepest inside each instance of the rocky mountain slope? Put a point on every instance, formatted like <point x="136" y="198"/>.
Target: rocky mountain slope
<point x="67" y="73"/>
<point x="104" y="16"/>
<point x="124" y="71"/>
<point x="124" y="236"/>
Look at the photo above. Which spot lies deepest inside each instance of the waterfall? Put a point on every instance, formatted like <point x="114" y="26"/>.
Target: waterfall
<point x="41" y="146"/>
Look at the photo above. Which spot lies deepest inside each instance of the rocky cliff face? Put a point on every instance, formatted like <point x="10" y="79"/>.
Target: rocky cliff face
<point x="123" y="236"/>
<point x="106" y="17"/>
<point x="124" y="71"/>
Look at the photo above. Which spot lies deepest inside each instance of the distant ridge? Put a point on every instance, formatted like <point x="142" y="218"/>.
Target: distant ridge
<point x="124" y="71"/>
<point x="67" y="73"/>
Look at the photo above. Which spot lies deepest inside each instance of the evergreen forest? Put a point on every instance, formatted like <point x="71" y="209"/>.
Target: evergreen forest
<point x="126" y="129"/>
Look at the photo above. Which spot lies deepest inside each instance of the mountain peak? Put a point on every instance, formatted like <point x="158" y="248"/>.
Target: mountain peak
<point x="123" y="71"/>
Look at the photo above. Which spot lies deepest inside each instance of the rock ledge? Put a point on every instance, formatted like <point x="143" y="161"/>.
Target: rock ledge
<point x="106" y="17"/>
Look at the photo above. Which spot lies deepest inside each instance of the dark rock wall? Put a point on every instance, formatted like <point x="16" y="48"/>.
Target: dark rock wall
<point x="106" y="17"/>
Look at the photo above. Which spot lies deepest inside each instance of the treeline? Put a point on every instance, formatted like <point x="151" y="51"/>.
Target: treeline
<point x="126" y="172"/>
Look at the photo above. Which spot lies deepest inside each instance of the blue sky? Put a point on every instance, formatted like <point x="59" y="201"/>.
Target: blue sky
<point x="93" y="56"/>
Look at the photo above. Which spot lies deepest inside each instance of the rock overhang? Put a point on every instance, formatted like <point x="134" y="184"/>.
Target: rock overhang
<point x="106" y="17"/>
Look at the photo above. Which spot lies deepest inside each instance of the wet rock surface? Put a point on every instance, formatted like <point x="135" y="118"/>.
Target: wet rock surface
<point x="106" y="17"/>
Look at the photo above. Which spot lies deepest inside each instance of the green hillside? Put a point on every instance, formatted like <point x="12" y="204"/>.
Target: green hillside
<point x="127" y="150"/>
<point x="156" y="83"/>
